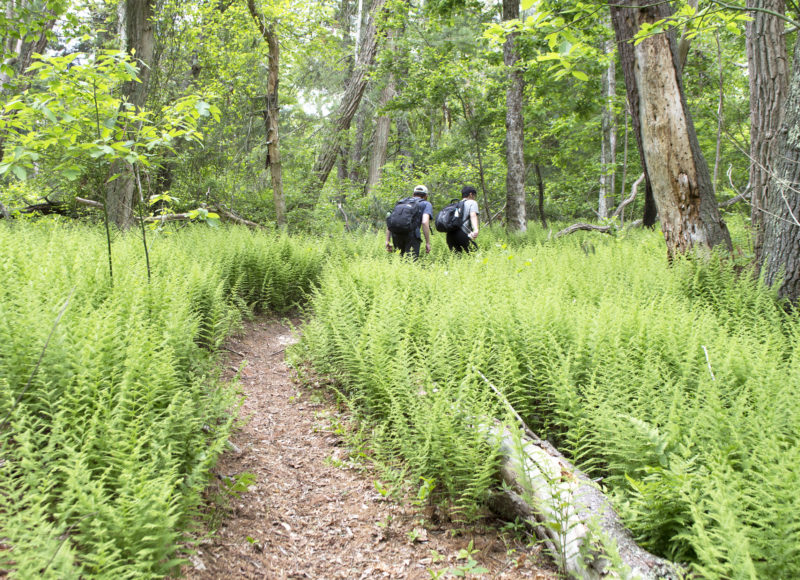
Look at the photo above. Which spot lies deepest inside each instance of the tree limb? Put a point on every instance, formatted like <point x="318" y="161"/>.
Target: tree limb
<point x="89" y="202"/>
<point x="175" y="217"/>
<point x="221" y="210"/>
<point x="634" y="189"/>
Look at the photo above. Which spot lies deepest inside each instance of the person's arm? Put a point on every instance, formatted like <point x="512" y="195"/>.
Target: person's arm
<point x="426" y="229"/>
<point x="473" y="218"/>
<point x="388" y="240"/>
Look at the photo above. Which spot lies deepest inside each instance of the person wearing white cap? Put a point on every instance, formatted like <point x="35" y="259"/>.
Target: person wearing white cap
<point x="403" y="224"/>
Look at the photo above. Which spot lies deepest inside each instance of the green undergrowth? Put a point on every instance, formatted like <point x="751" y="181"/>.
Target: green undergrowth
<point x="107" y="436"/>
<point x="674" y="386"/>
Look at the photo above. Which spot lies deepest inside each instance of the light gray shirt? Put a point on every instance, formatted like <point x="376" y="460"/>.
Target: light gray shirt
<point x="470" y="205"/>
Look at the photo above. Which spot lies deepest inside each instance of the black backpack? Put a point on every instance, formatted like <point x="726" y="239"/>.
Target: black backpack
<point x="451" y="217"/>
<point x="406" y="216"/>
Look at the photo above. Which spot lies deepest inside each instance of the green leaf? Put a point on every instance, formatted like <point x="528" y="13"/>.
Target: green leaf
<point x="581" y="76"/>
<point x="71" y="173"/>
<point x="528" y="4"/>
<point x="20" y="172"/>
<point x="49" y="114"/>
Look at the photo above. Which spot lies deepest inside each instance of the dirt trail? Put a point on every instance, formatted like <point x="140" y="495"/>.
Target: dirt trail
<point x="312" y="513"/>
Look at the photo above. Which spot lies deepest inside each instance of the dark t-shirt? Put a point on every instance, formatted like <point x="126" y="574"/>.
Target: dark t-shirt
<point x="427" y="208"/>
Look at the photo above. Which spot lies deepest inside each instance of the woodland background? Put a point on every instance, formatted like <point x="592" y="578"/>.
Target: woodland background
<point x="129" y="131"/>
<point x="320" y="115"/>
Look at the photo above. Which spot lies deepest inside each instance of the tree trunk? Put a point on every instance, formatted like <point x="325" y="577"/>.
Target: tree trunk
<point x="516" y="218"/>
<point x="768" y="73"/>
<point x="356" y="85"/>
<point x="380" y="141"/>
<point x="540" y="185"/>
<point x="720" y="115"/>
<point x="383" y="125"/>
<point x="780" y="255"/>
<point x="139" y="37"/>
<point x="671" y="157"/>
<point x="608" y="148"/>
<point x="271" y="112"/>
<point x="357" y="147"/>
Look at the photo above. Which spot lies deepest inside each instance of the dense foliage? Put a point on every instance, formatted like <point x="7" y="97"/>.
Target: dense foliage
<point x="675" y="388"/>
<point x="111" y="412"/>
<point x="444" y="64"/>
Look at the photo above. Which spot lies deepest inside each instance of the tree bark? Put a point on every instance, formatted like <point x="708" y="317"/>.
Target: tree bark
<point x="540" y="186"/>
<point x="671" y="156"/>
<point x="608" y="148"/>
<point x="767" y="65"/>
<point x="516" y="218"/>
<point x="380" y="140"/>
<point x="720" y="115"/>
<point x="347" y="108"/>
<point x="272" y="112"/>
<point x="139" y="37"/>
<point x="780" y="255"/>
<point x="383" y="125"/>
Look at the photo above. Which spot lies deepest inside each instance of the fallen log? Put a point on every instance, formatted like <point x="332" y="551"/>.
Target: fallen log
<point x="583" y="226"/>
<point x="566" y="509"/>
<point x="45" y="207"/>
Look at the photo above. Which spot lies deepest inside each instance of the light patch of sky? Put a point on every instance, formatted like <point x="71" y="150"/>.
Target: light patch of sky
<point x="315" y="102"/>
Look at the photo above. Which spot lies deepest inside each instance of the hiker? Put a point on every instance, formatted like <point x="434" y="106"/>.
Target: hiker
<point x="404" y="222"/>
<point x="460" y="239"/>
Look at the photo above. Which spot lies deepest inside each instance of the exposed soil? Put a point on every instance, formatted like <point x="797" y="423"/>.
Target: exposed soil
<point x="314" y="512"/>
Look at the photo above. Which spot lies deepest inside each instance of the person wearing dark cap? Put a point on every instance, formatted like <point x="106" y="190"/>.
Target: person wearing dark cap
<point x="463" y="238"/>
<point x="410" y="240"/>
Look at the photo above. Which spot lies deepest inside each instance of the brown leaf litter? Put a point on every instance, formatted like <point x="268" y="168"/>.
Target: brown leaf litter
<point x="311" y="511"/>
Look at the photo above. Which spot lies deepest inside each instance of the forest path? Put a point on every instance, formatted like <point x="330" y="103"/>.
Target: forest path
<point x="313" y="513"/>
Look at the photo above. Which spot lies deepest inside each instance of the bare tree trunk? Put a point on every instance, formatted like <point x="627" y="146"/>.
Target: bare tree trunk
<point x="404" y="141"/>
<point x="357" y="147"/>
<point x="608" y="148"/>
<point x="383" y="125"/>
<point x="767" y="65"/>
<point x="625" y="154"/>
<point x="380" y="140"/>
<point x="671" y="156"/>
<point x="720" y="112"/>
<point x="139" y="38"/>
<point x="779" y="258"/>
<point x="356" y="86"/>
<point x="516" y="218"/>
<point x="271" y="112"/>
<point x="540" y="185"/>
